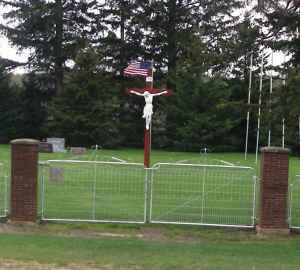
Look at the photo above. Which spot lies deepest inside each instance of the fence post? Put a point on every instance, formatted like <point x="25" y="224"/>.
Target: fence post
<point x="148" y="194"/>
<point x="274" y="191"/>
<point x="24" y="169"/>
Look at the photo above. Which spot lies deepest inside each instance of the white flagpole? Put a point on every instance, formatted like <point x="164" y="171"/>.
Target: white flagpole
<point x="259" y="108"/>
<point x="152" y="84"/>
<point x="249" y="102"/>
<point x="270" y="100"/>
<point x="283" y="119"/>
<point x="283" y="132"/>
<point x="284" y="75"/>
<point x="297" y="36"/>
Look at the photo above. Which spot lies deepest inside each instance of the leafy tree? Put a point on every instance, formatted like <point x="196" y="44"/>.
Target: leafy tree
<point x="87" y="112"/>
<point x="200" y="113"/>
<point x="9" y="106"/>
<point x="286" y="106"/>
<point x="283" y="20"/>
<point x="35" y="96"/>
<point x="170" y="26"/>
<point x="123" y="35"/>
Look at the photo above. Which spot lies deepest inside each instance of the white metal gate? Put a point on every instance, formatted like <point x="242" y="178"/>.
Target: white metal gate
<point x="3" y="191"/>
<point x="93" y="191"/>
<point x="203" y="195"/>
<point x="294" y="203"/>
<point x="166" y="193"/>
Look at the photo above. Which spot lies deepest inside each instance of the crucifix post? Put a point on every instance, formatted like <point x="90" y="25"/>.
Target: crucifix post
<point x="148" y="93"/>
<point x="147" y="132"/>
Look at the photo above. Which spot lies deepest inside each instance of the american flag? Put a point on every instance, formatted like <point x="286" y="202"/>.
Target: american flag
<point x="138" y="69"/>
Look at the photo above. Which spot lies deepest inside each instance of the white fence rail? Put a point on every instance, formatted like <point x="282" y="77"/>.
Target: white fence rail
<point x="3" y="191"/>
<point x="203" y="195"/>
<point x="294" y="203"/>
<point x="166" y="193"/>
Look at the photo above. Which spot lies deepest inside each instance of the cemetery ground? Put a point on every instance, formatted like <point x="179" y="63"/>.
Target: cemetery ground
<point x="96" y="246"/>
<point x="136" y="155"/>
<point x="116" y="246"/>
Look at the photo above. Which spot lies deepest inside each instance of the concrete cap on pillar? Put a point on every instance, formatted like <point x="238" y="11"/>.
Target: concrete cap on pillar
<point x="25" y="141"/>
<point x="274" y="149"/>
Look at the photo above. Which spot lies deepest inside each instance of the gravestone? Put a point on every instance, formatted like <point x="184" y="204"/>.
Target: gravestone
<point x="45" y="147"/>
<point x="58" y="144"/>
<point x="78" y="150"/>
<point x="56" y="174"/>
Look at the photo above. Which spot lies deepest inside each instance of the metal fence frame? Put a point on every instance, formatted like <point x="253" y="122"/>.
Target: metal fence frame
<point x="94" y="220"/>
<point x="290" y="202"/>
<point x="254" y="192"/>
<point x="149" y="177"/>
<point x="4" y="179"/>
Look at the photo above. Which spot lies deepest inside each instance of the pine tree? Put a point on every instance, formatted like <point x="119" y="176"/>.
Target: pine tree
<point x="170" y="27"/>
<point x="283" y="20"/>
<point x="10" y="106"/>
<point x="53" y="31"/>
<point x="35" y="96"/>
<point x="87" y="112"/>
<point x="123" y="36"/>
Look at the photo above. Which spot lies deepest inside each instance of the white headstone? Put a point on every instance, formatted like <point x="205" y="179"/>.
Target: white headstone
<point x="58" y="144"/>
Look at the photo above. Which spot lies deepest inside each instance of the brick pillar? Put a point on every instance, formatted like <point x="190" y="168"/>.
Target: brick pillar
<point x="274" y="190"/>
<point x="24" y="168"/>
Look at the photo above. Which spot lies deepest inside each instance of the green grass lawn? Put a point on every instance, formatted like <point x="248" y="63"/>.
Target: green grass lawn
<point x="209" y="249"/>
<point x="136" y="155"/>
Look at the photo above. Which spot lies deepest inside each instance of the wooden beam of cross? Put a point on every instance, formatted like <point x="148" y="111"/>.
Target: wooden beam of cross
<point x="148" y="93"/>
<point x="150" y="90"/>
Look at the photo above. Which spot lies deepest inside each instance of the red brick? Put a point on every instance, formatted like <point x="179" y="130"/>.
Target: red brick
<point x="274" y="188"/>
<point x="24" y="173"/>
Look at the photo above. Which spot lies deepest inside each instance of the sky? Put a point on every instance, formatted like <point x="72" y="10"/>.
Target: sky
<point x="9" y="52"/>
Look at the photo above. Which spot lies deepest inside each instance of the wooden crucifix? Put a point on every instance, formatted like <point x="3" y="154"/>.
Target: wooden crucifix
<point x="148" y="93"/>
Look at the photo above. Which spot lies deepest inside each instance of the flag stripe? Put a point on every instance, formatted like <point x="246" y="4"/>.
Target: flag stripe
<point x="138" y="69"/>
<point x="136" y="72"/>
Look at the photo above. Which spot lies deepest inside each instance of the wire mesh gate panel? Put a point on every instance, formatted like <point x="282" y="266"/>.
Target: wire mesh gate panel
<point x="203" y="195"/>
<point x="93" y="191"/>
<point x="294" y="203"/>
<point x="3" y="191"/>
<point x="167" y="193"/>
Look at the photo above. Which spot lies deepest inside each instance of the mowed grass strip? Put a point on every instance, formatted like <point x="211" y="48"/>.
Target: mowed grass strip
<point x="144" y="254"/>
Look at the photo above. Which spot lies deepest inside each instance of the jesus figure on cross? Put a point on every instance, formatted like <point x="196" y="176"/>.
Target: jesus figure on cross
<point x="148" y="109"/>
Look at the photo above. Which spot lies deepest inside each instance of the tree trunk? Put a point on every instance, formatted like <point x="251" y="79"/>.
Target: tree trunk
<point x="171" y="38"/>
<point x="58" y="50"/>
<point x="122" y="32"/>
